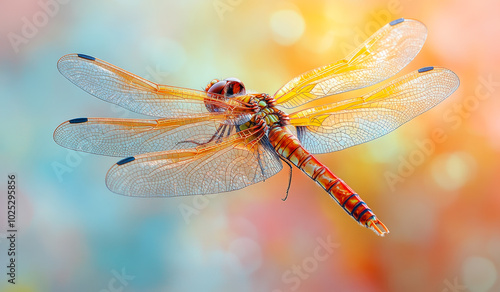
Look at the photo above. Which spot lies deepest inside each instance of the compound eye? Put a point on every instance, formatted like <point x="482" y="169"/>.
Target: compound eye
<point x="218" y="87"/>
<point x="234" y="87"/>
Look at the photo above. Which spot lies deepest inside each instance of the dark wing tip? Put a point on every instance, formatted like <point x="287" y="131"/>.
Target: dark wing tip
<point x="86" y="57"/>
<point x="78" y="120"/>
<point x="126" y="160"/>
<point x="425" y="69"/>
<point x="396" y="21"/>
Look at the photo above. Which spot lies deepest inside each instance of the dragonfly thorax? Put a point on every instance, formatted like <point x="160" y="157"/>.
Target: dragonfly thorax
<point x="267" y="112"/>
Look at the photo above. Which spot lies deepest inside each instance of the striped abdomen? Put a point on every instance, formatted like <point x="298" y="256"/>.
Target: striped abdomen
<point x="289" y="147"/>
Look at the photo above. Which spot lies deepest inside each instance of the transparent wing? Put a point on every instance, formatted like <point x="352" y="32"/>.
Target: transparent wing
<point x="350" y="122"/>
<point x="238" y="161"/>
<point x="129" y="137"/>
<point x="117" y="86"/>
<point x="381" y="56"/>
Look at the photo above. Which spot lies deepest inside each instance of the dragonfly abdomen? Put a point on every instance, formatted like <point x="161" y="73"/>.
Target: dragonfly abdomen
<point x="289" y="147"/>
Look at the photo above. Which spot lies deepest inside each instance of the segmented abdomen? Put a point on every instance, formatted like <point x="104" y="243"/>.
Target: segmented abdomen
<point x="289" y="147"/>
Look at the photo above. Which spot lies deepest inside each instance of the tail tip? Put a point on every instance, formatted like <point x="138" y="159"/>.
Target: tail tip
<point x="377" y="226"/>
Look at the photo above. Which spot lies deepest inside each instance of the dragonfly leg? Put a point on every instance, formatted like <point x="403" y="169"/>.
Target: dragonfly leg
<point x="219" y="134"/>
<point x="290" y="178"/>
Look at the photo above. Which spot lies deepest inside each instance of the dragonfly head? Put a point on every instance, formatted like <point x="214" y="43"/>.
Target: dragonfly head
<point x="222" y="90"/>
<point x="228" y="87"/>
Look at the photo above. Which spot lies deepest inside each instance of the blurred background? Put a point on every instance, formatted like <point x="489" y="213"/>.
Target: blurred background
<point x="433" y="182"/>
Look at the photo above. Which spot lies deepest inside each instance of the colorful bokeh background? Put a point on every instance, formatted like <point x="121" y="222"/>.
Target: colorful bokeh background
<point x="433" y="182"/>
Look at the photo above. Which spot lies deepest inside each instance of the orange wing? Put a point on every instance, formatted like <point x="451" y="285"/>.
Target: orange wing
<point x="128" y="137"/>
<point x="381" y="56"/>
<point x="350" y="122"/>
<point x="242" y="159"/>
<point x="115" y="85"/>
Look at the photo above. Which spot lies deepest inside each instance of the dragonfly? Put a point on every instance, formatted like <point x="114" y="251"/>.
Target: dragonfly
<point x="224" y="138"/>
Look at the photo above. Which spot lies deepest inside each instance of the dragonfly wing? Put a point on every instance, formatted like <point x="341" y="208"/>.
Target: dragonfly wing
<point x="347" y="123"/>
<point x="129" y="137"/>
<point x="238" y="161"/>
<point x="381" y="56"/>
<point x="117" y="86"/>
